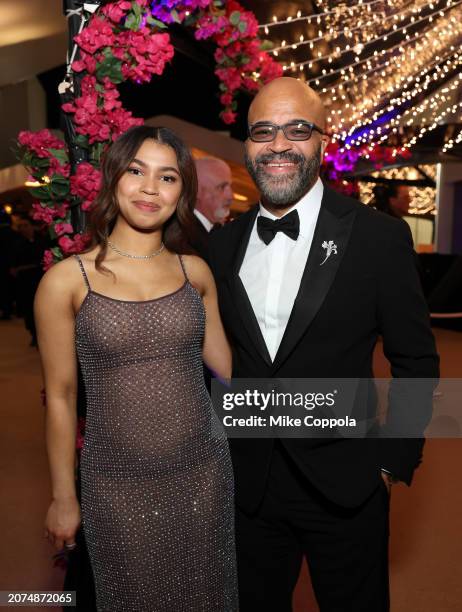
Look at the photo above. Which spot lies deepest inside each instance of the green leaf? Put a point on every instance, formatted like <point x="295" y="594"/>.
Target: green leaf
<point x="51" y="232"/>
<point x="112" y="68"/>
<point x="189" y="21"/>
<point x="152" y="21"/>
<point x="43" y="163"/>
<point x="242" y="27"/>
<point x="235" y="17"/>
<point x="266" y="45"/>
<point x="41" y="193"/>
<point x="27" y="159"/>
<point x="60" y="155"/>
<point x="57" y="252"/>
<point x="59" y="189"/>
<point x="175" y="16"/>
<point x="81" y="141"/>
<point x="136" y="8"/>
<point x="133" y="22"/>
<point x="96" y="152"/>
<point x="59" y="179"/>
<point x="245" y="59"/>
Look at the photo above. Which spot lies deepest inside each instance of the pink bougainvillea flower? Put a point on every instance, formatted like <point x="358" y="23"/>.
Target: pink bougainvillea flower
<point x="47" y="214"/>
<point x="86" y="62"/>
<point x="226" y="99"/>
<point x="231" y="77"/>
<point x="48" y="259"/>
<point x="40" y="142"/>
<point x="147" y="54"/>
<point x="116" y="10"/>
<point x="97" y="34"/>
<point x="76" y="244"/>
<point x="270" y="69"/>
<point x="85" y="184"/>
<point x="63" y="228"/>
<point x="209" y="25"/>
<point x="228" y="117"/>
<point x="85" y="181"/>
<point x="56" y="167"/>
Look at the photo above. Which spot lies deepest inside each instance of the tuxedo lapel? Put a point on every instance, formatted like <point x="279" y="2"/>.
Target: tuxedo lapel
<point x="238" y="292"/>
<point x="334" y="225"/>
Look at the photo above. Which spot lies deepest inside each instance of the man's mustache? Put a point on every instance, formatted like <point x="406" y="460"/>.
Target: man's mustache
<point x="268" y="158"/>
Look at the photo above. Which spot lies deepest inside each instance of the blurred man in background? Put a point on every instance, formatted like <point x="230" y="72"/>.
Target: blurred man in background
<point x="214" y="199"/>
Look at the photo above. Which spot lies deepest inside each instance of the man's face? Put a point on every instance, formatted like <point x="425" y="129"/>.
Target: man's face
<point x="284" y="170"/>
<point x="215" y="193"/>
<point x="402" y="200"/>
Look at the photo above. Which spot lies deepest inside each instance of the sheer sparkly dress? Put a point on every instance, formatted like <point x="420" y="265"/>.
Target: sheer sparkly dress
<point x="157" y="481"/>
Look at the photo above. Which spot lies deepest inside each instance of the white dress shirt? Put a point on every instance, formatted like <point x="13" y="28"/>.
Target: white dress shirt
<point x="203" y="219"/>
<point x="271" y="273"/>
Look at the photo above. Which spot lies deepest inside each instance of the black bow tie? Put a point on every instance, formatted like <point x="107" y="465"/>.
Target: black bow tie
<point x="289" y="224"/>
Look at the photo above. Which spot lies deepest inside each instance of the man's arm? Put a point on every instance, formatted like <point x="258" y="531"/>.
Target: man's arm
<point x="409" y="346"/>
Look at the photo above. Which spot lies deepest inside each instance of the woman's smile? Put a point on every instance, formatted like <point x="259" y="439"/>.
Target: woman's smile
<point x="146" y="206"/>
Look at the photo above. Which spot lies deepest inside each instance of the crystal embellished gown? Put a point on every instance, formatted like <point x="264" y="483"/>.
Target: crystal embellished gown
<point x="157" y="481"/>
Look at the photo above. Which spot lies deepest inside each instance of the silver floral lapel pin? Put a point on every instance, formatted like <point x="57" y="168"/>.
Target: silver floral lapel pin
<point x="330" y="247"/>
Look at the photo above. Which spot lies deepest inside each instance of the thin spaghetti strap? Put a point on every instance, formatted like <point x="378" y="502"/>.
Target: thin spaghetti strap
<point x="183" y="268"/>
<point x="84" y="274"/>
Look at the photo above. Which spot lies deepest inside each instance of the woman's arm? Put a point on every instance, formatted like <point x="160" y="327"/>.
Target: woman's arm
<point x="216" y="352"/>
<point x="55" y="319"/>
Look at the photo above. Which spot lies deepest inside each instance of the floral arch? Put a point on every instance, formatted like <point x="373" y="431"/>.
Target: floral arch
<point x="119" y="41"/>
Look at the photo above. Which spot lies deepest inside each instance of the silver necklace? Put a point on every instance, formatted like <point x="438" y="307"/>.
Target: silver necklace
<point x="124" y="254"/>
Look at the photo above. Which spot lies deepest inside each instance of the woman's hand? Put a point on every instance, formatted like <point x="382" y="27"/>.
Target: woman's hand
<point x="62" y="522"/>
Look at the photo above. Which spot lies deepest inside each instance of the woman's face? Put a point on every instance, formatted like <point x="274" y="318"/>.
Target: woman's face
<point x="148" y="191"/>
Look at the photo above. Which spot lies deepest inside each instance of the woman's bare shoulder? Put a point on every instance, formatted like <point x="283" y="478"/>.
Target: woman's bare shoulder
<point x="196" y="265"/>
<point x="62" y="277"/>
<point x="198" y="272"/>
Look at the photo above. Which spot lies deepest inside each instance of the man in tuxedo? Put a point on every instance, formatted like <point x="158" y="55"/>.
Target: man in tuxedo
<point x="214" y="198"/>
<point x="292" y="310"/>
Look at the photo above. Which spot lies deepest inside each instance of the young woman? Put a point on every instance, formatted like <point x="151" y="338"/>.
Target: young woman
<point x="139" y="317"/>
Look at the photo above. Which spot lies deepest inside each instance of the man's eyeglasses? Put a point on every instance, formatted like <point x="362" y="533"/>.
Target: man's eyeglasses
<point x="296" y="130"/>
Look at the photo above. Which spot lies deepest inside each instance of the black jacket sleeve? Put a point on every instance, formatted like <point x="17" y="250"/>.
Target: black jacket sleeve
<point x="409" y="345"/>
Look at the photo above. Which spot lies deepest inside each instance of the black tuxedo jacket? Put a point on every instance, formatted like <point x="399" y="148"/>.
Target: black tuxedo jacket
<point x="369" y="288"/>
<point x="199" y="238"/>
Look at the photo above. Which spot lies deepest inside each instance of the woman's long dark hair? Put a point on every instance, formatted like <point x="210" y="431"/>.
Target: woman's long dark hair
<point x="178" y="230"/>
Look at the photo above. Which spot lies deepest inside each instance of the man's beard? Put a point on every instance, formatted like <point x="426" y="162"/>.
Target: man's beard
<point x="221" y="214"/>
<point x="284" y="190"/>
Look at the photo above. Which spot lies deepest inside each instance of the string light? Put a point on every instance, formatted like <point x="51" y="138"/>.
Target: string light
<point x="436" y="121"/>
<point x="406" y="79"/>
<point x="390" y="79"/>
<point x="428" y="102"/>
<point x="389" y="88"/>
<point x="452" y="142"/>
<point x="362" y="27"/>
<point x="378" y="38"/>
<point x="348" y="80"/>
<point x="338" y="11"/>
<point x="399" y="101"/>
